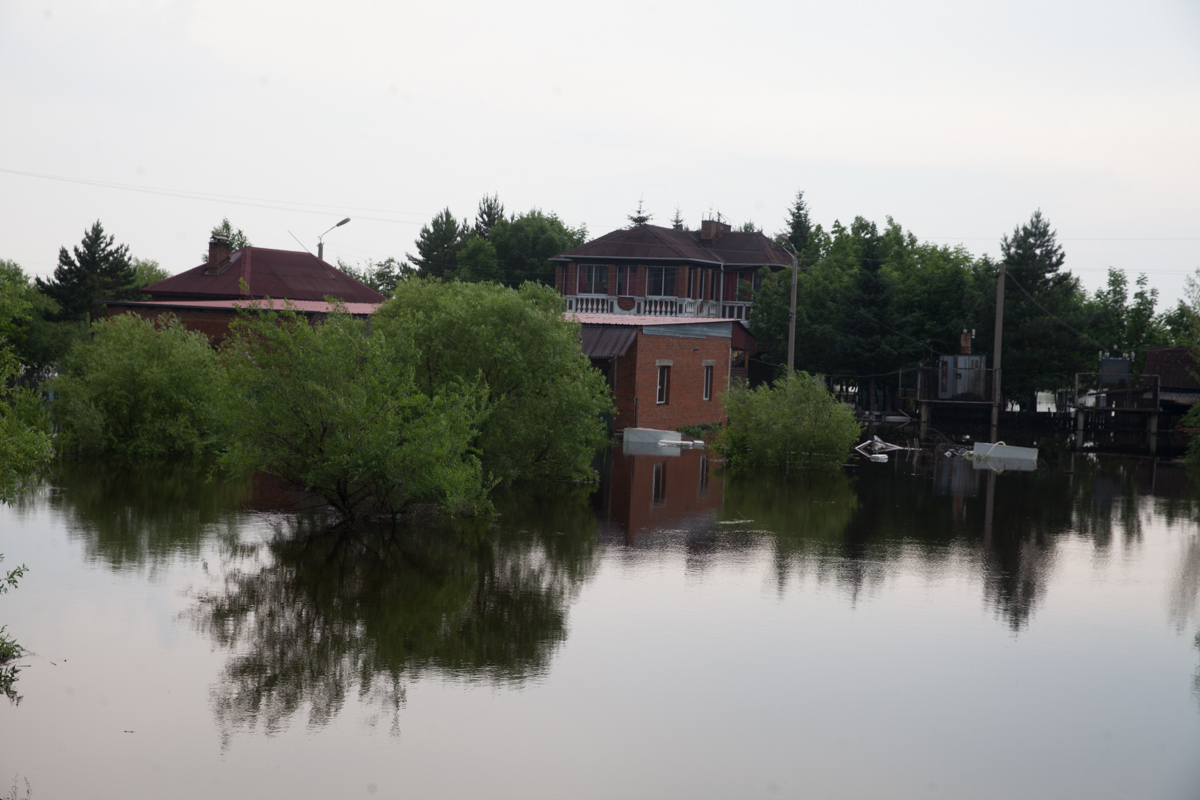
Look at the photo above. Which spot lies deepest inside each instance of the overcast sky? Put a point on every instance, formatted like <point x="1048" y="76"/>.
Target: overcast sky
<point x="956" y="119"/>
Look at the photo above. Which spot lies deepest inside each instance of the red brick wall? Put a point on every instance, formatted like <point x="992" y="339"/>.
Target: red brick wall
<point x="213" y="324"/>
<point x="634" y="507"/>
<point x="637" y="379"/>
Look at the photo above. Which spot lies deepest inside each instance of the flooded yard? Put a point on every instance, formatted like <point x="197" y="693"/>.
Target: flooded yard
<point x="913" y="629"/>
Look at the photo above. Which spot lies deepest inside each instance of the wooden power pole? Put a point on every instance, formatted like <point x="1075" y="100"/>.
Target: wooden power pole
<point x="996" y="352"/>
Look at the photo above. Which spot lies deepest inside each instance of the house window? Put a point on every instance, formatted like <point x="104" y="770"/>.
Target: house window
<point x="658" y="486"/>
<point x="593" y="279"/>
<point x="708" y="383"/>
<point x="664" y="384"/>
<point x="691" y="283"/>
<point x="626" y="274"/>
<point x="661" y="282"/>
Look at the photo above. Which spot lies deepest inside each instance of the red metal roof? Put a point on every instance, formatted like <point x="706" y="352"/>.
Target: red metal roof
<point x="650" y="243"/>
<point x="279" y="274"/>
<point x="303" y="306"/>
<point x="639" y="321"/>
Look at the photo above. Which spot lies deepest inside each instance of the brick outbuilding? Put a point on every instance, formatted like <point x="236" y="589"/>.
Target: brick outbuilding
<point x="664" y="372"/>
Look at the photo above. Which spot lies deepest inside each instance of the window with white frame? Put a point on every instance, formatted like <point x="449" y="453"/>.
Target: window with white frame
<point x="664" y="383"/>
<point x="593" y="279"/>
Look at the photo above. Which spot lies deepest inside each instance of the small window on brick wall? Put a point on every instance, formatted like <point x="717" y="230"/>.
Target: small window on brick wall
<point x="664" y="384"/>
<point x="708" y="383"/>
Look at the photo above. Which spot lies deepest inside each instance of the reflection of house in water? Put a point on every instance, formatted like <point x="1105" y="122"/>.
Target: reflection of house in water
<point x="671" y="489"/>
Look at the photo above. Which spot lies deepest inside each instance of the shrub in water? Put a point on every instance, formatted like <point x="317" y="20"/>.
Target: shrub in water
<point x="334" y="409"/>
<point x="795" y="423"/>
<point x="139" y="388"/>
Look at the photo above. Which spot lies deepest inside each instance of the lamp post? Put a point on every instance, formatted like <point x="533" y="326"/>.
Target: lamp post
<point x="787" y="246"/>
<point x="321" y="243"/>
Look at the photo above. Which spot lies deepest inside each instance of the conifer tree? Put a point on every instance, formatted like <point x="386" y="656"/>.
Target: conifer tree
<point x="490" y="211"/>
<point x="97" y="270"/>
<point x="236" y="237"/>
<point x="677" y="222"/>
<point x="639" y="217"/>
<point x="438" y="245"/>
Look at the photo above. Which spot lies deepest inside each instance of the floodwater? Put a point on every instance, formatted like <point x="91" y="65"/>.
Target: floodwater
<point x="905" y="630"/>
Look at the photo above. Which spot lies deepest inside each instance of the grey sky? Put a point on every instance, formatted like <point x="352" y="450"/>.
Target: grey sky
<point x="956" y="119"/>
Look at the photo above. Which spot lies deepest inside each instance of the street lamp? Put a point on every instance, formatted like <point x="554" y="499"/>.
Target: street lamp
<point x="321" y="244"/>
<point x="787" y="247"/>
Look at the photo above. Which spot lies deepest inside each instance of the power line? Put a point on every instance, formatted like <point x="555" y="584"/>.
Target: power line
<point x="252" y="202"/>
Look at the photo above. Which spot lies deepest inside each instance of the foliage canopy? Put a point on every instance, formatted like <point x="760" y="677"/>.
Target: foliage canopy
<point x="795" y="423"/>
<point x="544" y="402"/>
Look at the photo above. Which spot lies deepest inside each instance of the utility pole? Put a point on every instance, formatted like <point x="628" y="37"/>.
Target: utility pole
<point x="996" y="352"/>
<point x="791" y="361"/>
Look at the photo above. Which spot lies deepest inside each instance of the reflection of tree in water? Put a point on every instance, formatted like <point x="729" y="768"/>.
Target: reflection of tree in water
<point x="135" y="516"/>
<point x="1006" y="527"/>
<point x="806" y="516"/>
<point x="340" y="611"/>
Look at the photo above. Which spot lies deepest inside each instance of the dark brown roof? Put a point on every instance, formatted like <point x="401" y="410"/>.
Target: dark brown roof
<point x="650" y="243"/>
<point x="278" y="274"/>
<point x="1174" y="366"/>
<point x="607" y="341"/>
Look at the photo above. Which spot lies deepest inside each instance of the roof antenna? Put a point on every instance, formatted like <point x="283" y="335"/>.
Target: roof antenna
<point x="300" y="243"/>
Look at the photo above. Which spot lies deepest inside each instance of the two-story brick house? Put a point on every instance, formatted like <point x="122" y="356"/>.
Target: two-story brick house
<point x="652" y="271"/>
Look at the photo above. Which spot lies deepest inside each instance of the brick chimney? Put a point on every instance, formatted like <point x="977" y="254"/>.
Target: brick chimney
<point x="710" y="229"/>
<point x="218" y="255"/>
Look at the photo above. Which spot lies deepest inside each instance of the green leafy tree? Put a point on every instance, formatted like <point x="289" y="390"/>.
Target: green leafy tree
<point x="795" y="424"/>
<point x="334" y="409"/>
<point x="31" y="334"/>
<point x="544" y="402"/>
<point x="24" y="443"/>
<point x="236" y="237"/>
<point x="477" y="260"/>
<point x="438" y="244"/>
<point x="525" y="244"/>
<point x="382" y="276"/>
<point x="140" y="388"/>
<point x="1127" y="325"/>
<point x="96" y="270"/>
<point x="148" y="271"/>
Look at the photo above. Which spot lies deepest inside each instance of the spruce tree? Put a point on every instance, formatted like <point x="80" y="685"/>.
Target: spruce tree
<point x="438" y="245"/>
<point x="639" y="217"/>
<point x="97" y="270"/>
<point x="490" y="211"/>
<point x="800" y="230"/>
<point x="677" y="222"/>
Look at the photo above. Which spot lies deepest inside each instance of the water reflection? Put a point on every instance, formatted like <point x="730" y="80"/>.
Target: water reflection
<point x="337" y="612"/>
<point x="138" y="516"/>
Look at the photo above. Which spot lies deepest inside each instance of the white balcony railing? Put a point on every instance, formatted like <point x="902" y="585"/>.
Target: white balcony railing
<point x="582" y="304"/>
<point x="659" y="307"/>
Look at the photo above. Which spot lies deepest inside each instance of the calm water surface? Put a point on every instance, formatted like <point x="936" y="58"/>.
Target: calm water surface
<point x="907" y="630"/>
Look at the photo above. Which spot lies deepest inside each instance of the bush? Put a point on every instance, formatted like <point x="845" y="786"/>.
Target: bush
<point x="794" y="423"/>
<point x="544" y="401"/>
<point x="140" y="388"/>
<point x="334" y="409"/>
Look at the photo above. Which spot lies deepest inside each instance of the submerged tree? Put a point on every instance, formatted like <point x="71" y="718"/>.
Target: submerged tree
<point x="334" y="409"/>
<point x="544" y="402"/>
<point x="140" y="388"/>
<point x="795" y="423"/>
